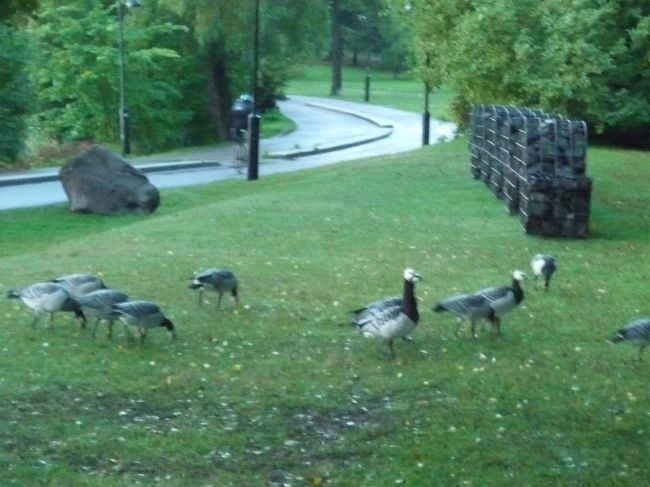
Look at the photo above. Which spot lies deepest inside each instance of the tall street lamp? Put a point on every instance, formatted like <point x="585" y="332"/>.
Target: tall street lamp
<point x="254" y="117"/>
<point x="123" y="112"/>
<point x="426" y="117"/>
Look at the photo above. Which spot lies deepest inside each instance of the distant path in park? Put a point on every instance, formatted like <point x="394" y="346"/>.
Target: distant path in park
<point x="328" y="131"/>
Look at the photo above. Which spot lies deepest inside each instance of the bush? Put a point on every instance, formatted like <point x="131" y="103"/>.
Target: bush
<point x="15" y="92"/>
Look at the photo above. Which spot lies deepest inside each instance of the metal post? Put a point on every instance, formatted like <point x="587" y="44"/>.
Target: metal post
<point x="426" y="116"/>
<point x="122" y="111"/>
<point x="254" y="117"/>
<point x="366" y="90"/>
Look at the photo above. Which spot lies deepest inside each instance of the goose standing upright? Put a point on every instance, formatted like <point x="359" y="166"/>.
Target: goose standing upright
<point x="217" y="280"/>
<point x="489" y="303"/>
<point x="48" y="298"/>
<point x="544" y="266"/>
<point x="80" y="284"/>
<point x="391" y="318"/>
<point x="504" y="299"/>
<point x="143" y="315"/>
<point x="100" y="304"/>
<point x="637" y="333"/>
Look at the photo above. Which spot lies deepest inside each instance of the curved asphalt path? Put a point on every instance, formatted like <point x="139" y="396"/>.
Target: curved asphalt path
<point x="328" y="131"/>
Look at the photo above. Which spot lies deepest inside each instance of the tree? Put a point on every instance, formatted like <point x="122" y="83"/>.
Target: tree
<point x="75" y="70"/>
<point x="15" y="92"/>
<point x="336" y="46"/>
<point x="289" y="32"/>
<point x="581" y="58"/>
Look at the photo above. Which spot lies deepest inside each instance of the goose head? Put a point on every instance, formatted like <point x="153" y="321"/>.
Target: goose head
<point x="411" y="275"/>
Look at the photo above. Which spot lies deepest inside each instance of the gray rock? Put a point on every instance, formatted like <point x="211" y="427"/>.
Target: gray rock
<point x="99" y="181"/>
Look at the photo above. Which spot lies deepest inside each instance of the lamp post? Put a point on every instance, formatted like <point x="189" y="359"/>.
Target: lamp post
<point x="426" y="117"/>
<point x="254" y="117"/>
<point x="123" y="111"/>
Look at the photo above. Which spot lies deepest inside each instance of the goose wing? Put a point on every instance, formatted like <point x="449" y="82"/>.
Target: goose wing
<point x="102" y="299"/>
<point x="375" y="308"/>
<point x="465" y="305"/>
<point x="376" y="318"/>
<point x="636" y="331"/>
<point x="213" y="276"/>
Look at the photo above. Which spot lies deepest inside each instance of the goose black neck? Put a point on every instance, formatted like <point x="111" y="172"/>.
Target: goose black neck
<point x="517" y="290"/>
<point x="409" y="303"/>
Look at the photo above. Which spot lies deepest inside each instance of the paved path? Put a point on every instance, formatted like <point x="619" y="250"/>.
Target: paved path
<point x="328" y="131"/>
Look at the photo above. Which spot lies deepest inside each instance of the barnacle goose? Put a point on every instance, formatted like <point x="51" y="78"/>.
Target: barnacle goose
<point x="637" y="333"/>
<point x="80" y="284"/>
<point x="467" y="307"/>
<point x="99" y="304"/>
<point x="393" y="317"/>
<point x="216" y="280"/>
<point x="143" y="315"/>
<point x="490" y="303"/>
<point x="543" y="265"/>
<point x="48" y="298"/>
<point x="504" y="299"/>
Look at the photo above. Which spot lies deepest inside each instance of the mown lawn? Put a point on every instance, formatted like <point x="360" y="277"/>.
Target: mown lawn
<point x="399" y="91"/>
<point x="281" y="391"/>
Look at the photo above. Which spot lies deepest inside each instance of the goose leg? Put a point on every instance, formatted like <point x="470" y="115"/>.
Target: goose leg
<point x="200" y="297"/>
<point x="459" y="323"/>
<point x="391" y="347"/>
<point x="143" y="334"/>
<point x="219" y="300"/>
<point x="235" y="294"/>
<point x="35" y="320"/>
<point x="496" y="324"/>
<point x="95" y="327"/>
<point x="473" y="329"/>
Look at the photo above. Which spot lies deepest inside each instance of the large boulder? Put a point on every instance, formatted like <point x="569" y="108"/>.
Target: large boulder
<point x="99" y="181"/>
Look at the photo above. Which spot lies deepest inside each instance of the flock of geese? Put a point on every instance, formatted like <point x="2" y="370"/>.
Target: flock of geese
<point x="86" y="294"/>
<point x="389" y="319"/>
<point x="397" y="317"/>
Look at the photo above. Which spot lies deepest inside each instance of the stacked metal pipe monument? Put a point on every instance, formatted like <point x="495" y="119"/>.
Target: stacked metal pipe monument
<point x="536" y="163"/>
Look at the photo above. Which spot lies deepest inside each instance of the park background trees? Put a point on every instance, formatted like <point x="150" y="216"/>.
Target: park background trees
<point x="188" y="59"/>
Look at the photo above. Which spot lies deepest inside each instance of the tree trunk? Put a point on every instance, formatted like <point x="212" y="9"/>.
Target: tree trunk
<point x="336" y="47"/>
<point x="220" y="97"/>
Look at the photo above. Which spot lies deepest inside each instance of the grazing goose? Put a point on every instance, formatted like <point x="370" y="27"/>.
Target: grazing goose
<point x="216" y="280"/>
<point x="100" y="305"/>
<point x="391" y="318"/>
<point x="143" y="315"/>
<point x="489" y="303"/>
<point x="48" y="297"/>
<point x="80" y="284"/>
<point x="636" y="332"/>
<point x="543" y="266"/>
<point x="467" y="307"/>
<point x="503" y="299"/>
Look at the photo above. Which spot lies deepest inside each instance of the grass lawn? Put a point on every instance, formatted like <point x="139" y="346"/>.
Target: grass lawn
<point x="281" y="391"/>
<point x="386" y="89"/>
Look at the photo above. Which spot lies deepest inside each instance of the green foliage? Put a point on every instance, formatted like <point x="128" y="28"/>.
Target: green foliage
<point x="281" y="390"/>
<point x="75" y="69"/>
<point x="583" y="59"/>
<point x="15" y="93"/>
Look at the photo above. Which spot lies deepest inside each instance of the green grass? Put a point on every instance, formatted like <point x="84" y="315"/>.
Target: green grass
<point x="386" y="89"/>
<point x="281" y="391"/>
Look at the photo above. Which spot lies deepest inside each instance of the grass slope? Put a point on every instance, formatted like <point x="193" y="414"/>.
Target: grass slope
<point x="281" y="391"/>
